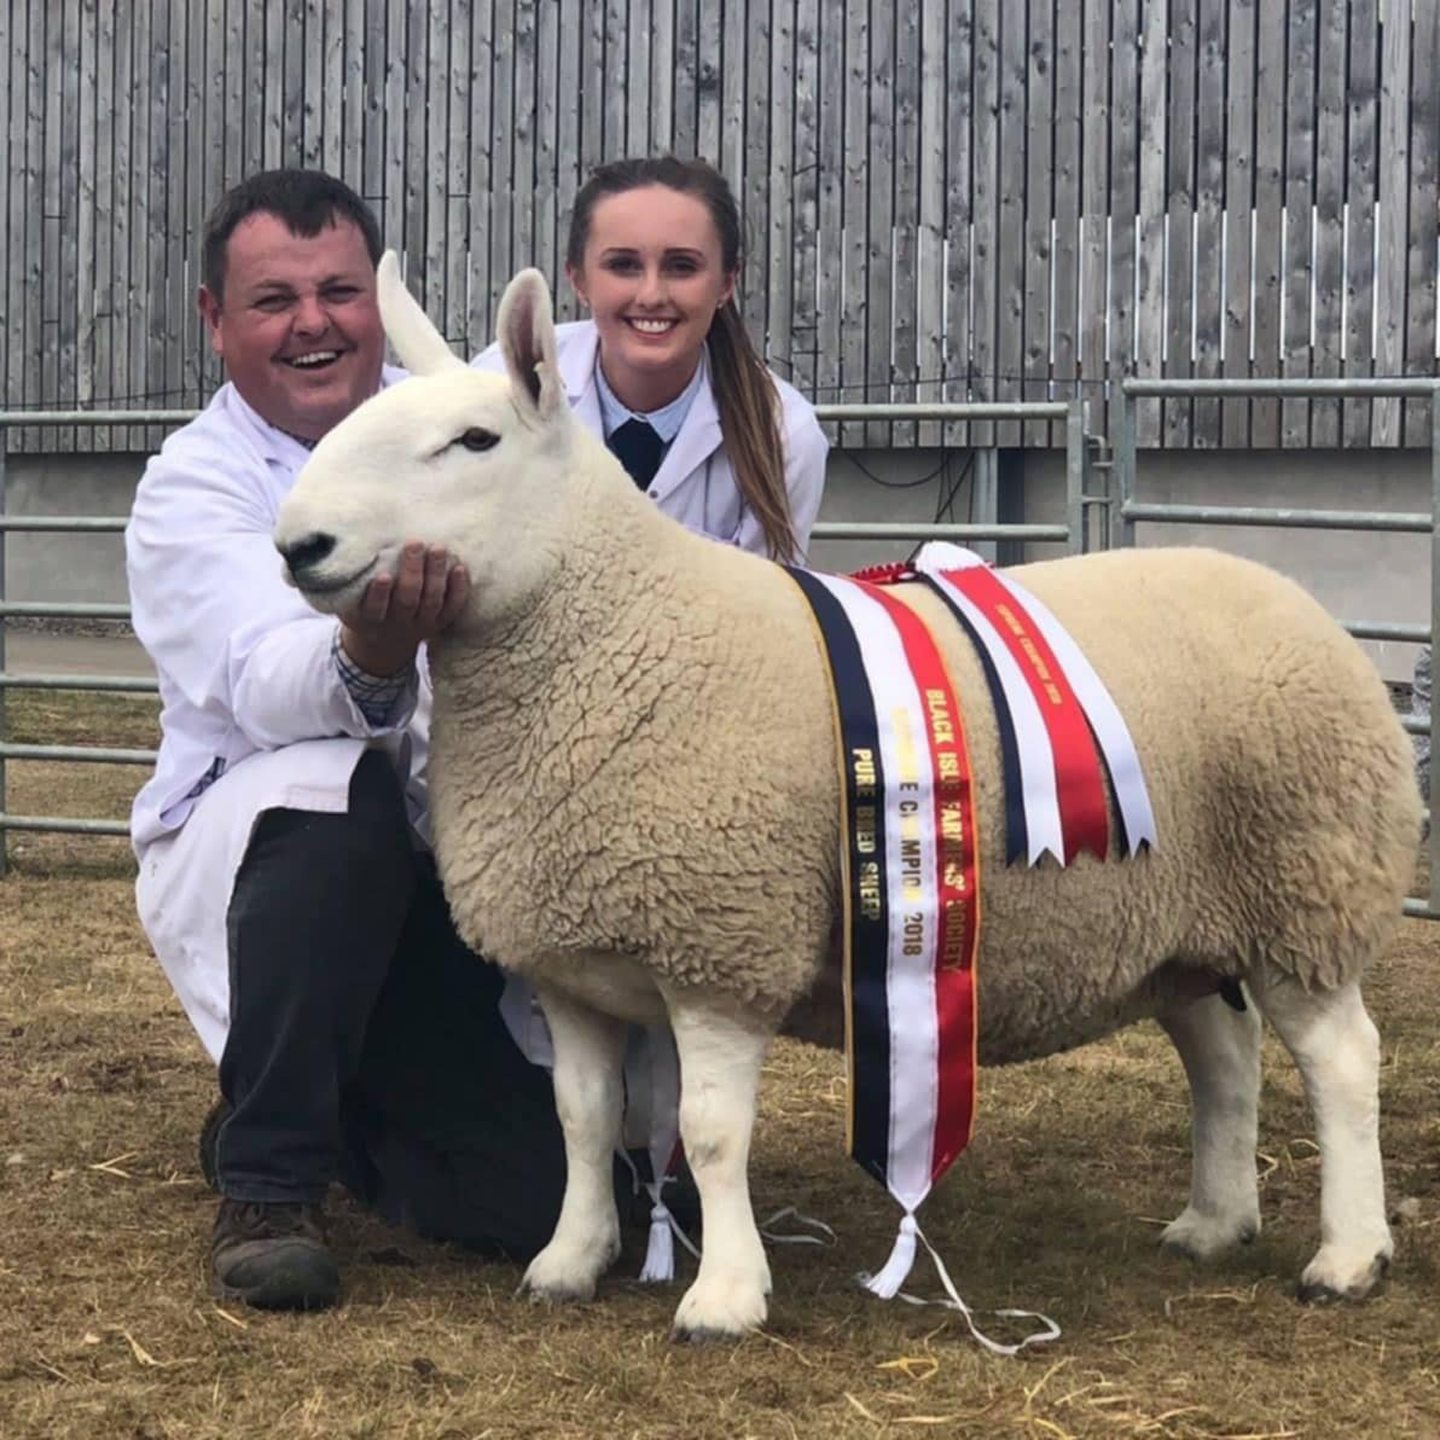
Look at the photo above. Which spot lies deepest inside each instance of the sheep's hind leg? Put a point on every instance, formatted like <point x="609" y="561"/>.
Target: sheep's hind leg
<point x="720" y="1059"/>
<point x="588" y="1098"/>
<point x="1337" y="1049"/>
<point x="1220" y="1049"/>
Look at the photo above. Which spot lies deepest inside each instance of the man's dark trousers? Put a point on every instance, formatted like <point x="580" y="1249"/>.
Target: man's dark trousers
<point x="366" y="1042"/>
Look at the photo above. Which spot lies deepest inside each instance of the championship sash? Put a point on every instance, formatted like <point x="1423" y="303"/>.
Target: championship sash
<point x="911" y="884"/>
<point x="911" y="869"/>
<point x="911" y="893"/>
<point x="1060" y="731"/>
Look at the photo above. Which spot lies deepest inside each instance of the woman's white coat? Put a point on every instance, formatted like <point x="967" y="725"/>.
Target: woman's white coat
<point x="695" y="483"/>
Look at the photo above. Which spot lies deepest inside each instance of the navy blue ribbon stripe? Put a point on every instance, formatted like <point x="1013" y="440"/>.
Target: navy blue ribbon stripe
<point x="869" y="934"/>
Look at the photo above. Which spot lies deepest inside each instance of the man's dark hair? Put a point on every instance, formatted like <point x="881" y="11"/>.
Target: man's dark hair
<point x="306" y="200"/>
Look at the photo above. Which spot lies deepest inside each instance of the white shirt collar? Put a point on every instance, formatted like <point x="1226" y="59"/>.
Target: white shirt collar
<point x="666" y="421"/>
<point x="281" y="445"/>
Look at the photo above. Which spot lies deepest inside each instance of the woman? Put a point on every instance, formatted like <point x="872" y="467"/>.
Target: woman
<point x="664" y="371"/>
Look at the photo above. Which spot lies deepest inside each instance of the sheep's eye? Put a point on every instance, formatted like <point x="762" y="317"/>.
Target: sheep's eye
<point x="477" y="439"/>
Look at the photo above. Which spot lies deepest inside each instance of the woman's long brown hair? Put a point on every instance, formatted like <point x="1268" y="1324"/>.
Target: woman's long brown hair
<point x="745" y="395"/>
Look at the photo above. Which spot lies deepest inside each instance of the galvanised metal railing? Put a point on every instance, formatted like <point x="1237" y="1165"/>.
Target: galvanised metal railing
<point x="1074" y="534"/>
<point x="1078" y="498"/>
<point x="1127" y="511"/>
<point x="64" y="524"/>
<point x="1118" y="511"/>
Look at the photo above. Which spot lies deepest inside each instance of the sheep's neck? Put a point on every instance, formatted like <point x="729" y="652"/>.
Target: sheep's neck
<point x="590" y="643"/>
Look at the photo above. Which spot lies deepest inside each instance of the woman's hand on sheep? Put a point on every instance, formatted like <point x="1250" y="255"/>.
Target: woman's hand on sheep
<point x="397" y="613"/>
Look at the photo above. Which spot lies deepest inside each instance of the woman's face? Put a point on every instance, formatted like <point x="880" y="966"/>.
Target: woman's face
<point x="653" y="277"/>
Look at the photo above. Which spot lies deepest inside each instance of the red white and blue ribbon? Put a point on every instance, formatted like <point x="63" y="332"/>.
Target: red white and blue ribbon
<point x="912" y="908"/>
<point x="911" y="875"/>
<point x="1060" y="730"/>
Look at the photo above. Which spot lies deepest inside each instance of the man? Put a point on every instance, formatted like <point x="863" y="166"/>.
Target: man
<point x="284" y="881"/>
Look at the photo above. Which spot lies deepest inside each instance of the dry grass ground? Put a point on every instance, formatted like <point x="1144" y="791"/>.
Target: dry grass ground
<point x="107" y="1330"/>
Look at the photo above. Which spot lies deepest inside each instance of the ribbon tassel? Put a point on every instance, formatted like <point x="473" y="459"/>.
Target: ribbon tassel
<point x="896" y="1270"/>
<point x="659" y="1267"/>
<point x="665" y="1230"/>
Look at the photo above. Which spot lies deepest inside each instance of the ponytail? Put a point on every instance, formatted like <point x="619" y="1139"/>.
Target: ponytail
<point x="749" y="406"/>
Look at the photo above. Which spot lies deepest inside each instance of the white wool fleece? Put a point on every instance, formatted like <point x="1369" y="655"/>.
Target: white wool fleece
<point x="645" y="765"/>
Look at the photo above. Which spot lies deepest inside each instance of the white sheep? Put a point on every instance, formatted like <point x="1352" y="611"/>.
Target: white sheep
<point x="635" y="804"/>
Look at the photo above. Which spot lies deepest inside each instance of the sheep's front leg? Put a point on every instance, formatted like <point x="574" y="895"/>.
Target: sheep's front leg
<point x="1337" y="1049"/>
<point x="1220" y="1049"/>
<point x="720" y="1059"/>
<point x="588" y="1098"/>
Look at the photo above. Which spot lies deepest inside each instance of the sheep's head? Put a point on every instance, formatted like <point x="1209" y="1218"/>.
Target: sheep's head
<point x="476" y="462"/>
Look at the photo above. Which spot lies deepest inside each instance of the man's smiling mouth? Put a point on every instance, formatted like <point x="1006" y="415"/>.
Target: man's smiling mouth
<point x="313" y="360"/>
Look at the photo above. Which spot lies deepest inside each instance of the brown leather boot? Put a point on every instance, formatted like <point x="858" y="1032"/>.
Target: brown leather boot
<point x="272" y="1256"/>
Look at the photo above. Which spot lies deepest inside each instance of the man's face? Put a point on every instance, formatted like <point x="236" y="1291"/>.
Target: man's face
<point x="297" y="326"/>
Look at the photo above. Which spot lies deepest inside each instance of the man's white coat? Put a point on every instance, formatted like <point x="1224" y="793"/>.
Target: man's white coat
<point x="251" y="694"/>
<point x="256" y="716"/>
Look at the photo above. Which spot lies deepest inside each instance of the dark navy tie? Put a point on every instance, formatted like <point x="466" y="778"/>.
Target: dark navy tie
<point x="638" y="448"/>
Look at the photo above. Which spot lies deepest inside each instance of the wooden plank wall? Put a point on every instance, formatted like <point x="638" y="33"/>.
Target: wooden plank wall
<point x="948" y="198"/>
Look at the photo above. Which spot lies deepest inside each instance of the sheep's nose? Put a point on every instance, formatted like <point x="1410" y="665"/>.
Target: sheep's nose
<point x="309" y="550"/>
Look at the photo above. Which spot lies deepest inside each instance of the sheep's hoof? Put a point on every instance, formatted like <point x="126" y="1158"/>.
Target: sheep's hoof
<point x="705" y="1337"/>
<point x="566" y="1294"/>
<point x="723" y="1310"/>
<point x="1323" y="1282"/>
<point x="1203" y="1237"/>
<point x="565" y="1274"/>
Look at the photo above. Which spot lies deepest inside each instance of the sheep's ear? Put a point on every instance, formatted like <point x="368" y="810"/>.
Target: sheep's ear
<point x="527" y="341"/>
<point x="420" y="346"/>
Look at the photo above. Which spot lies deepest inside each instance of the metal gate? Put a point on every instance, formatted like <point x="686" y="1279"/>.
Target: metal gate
<point x="1095" y="518"/>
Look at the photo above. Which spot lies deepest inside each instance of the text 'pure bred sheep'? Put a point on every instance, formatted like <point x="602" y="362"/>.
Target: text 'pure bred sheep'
<point x="636" y="805"/>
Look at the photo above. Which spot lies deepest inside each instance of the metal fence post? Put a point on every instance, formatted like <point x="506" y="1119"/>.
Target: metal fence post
<point x="1434" y="621"/>
<point x="1122" y="470"/>
<point x="1076" y="458"/>
<point x="4" y="626"/>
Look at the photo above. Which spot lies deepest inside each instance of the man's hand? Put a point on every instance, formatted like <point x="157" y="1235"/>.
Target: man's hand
<point x="397" y="612"/>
